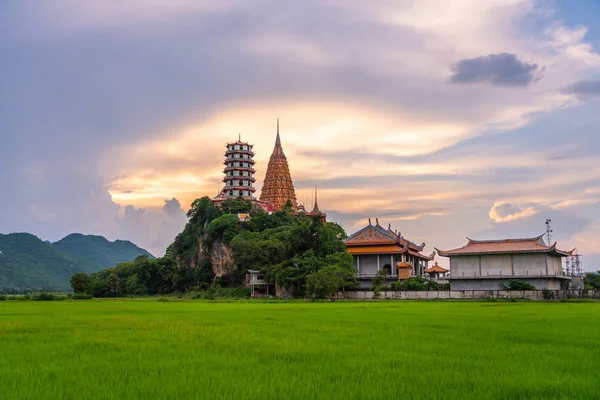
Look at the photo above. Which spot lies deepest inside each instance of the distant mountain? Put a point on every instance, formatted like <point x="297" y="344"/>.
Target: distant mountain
<point x="99" y="251"/>
<point x="28" y="263"/>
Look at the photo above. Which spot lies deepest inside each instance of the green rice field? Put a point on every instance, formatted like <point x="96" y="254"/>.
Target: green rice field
<point x="128" y="349"/>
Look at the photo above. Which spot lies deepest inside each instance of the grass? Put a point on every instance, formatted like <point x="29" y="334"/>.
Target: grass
<point x="123" y="349"/>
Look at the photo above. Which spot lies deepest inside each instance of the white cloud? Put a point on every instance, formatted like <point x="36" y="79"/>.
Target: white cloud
<point x="504" y="212"/>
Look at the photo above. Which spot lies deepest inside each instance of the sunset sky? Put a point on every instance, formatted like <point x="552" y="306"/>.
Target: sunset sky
<point x="444" y="118"/>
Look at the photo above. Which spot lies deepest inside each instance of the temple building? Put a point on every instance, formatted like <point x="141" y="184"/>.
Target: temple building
<point x="436" y="272"/>
<point x="239" y="171"/>
<point x="488" y="264"/>
<point x="278" y="187"/>
<point x="375" y="248"/>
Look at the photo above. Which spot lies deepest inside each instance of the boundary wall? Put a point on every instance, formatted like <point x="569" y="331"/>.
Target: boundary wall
<point x="473" y="294"/>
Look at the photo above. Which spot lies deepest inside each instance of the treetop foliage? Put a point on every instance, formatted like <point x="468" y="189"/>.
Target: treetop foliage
<point x="288" y="247"/>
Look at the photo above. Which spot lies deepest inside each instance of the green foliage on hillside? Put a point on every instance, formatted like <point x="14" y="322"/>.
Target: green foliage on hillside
<point x="287" y="247"/>
<point x="592" y="280"/>
<point x="98" y="250"/>
<point x="27" y="263"/>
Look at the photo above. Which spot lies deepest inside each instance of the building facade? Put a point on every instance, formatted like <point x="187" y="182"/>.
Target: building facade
<point x="239" y="171"/>
<point x="489" y="264"/>
<point x="278" y="187"/>
<point x="375" y="248"/>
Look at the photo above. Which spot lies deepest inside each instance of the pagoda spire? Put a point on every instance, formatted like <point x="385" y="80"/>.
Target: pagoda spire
<point x="278" y="187"/>
<point x="316" y="207"/>
<point x="277" y="140"/>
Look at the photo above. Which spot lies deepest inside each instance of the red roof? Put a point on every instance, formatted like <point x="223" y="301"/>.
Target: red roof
<point x="504" y="246"/>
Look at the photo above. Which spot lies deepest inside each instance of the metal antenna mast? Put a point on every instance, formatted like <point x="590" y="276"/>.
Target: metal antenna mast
<point x="549" y="232"/>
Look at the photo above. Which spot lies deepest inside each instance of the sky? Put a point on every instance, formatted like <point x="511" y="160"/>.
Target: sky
<point x="445" y="119"/>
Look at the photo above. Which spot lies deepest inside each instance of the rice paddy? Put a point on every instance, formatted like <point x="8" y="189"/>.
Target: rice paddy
<point x="256" y="350"/>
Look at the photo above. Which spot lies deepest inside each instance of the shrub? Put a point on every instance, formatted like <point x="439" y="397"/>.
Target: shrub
<point x="411" y="284"/>
<point x="380" y="279"/>
<point x="432" y="285"/>
<point x="547" y="294"/>
<point x="377" y="292"/>
<point x="82" y="296"/>
<point x="163" y="300"/>
<point x="3" y="297"/>
<point x="516" y="284"/>
<point x="44" y="297"/>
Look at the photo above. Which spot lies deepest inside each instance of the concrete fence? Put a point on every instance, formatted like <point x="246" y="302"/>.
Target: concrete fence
<point x="474" y="294"/>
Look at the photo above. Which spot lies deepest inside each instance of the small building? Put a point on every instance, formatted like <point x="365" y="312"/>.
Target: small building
<point x="375" y="248"/>
<point x="436" y="272"/>
<point x="488" y="264"/>
<point x="258" y="284"/>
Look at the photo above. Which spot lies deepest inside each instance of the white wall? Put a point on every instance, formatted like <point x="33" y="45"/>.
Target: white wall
<point x="368" y="264"/>
<point x="554" y="265"/>
<point x="529" y="264"/>
<point x="464" y="266"/>
<point x="496" y="265"/>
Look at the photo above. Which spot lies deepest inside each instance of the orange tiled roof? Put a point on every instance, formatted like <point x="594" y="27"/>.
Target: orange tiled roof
<point x="421" y="255"/>
<point x="436" y="268"/>
<point x="505" y="246"/>
<point x="391" y="249"/>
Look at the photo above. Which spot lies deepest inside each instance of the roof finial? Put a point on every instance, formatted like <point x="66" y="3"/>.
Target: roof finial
<point x="377" y="220"/>
<point x="370" y="221"/>
<point x="240" y="137"/>
<point x="316" y="207"/>
<point x="278" y="140"/>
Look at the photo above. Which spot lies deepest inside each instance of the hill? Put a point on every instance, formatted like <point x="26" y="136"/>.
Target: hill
<point x="28" y="263"/>
<point x="100" y="252"/>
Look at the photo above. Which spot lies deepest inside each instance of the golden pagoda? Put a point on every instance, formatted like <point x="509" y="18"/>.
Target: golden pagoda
<point x="278" y="187"/>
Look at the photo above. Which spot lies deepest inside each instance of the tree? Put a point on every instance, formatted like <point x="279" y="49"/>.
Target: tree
<point x="113" y="284"/>
<point x="325" y="282"/>
<point x="380" y="279"/>
<point x="224" y="227"/>
<point x="81" y="283"/>
<point x="592" y="280"/>
<point x="235" y="206"/>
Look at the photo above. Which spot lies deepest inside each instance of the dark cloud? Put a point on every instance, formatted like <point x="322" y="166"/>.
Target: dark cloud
<point x="497" y="69"/>
<point x="172" y="207"/>
<point x="584" y="88"/>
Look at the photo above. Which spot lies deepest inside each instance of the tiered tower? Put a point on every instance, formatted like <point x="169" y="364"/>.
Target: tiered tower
<point x="239" y="171"/>
<point x="278" y="187"/>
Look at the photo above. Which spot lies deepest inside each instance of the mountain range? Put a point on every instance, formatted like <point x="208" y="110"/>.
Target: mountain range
<point x="29" y="263"/>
